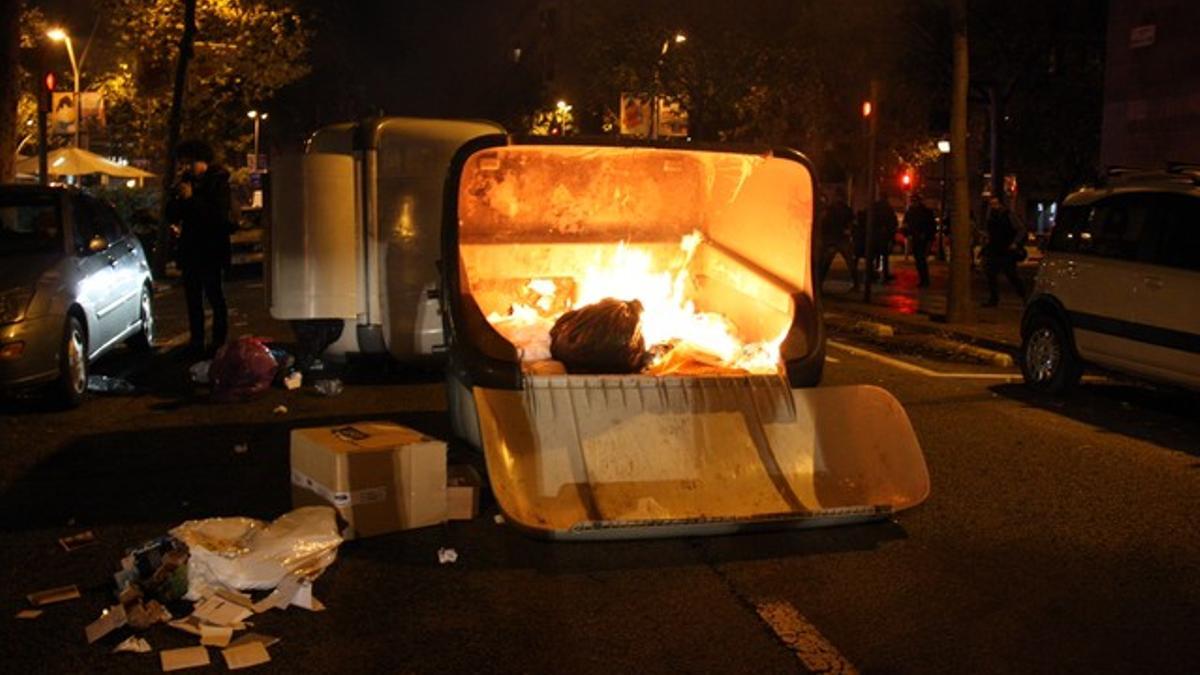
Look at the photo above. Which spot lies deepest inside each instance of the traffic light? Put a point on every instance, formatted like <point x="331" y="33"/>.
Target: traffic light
<point x="45" y="95"/>
<point x="906" y="179"/>
<point x="866" y="109"/>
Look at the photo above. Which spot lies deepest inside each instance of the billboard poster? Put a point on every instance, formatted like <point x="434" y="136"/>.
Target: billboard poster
<point x="635" y="115"/>
<point x="62" y="112"/>
<point x="672" y="117"/>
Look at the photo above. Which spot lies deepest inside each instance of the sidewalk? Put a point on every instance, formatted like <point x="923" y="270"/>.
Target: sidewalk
<point x="903" y="305"/>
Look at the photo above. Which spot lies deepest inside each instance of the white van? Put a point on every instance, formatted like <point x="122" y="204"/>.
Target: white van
<point x="1120" y="283"/>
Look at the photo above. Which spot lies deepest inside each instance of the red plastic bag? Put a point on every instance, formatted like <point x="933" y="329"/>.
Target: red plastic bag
<point x="242" y="369"/>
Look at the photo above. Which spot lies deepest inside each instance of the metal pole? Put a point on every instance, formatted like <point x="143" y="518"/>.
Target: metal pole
<point x="872" y="132"/>
<point x="941" y="249"/>
<point x="78" y="103"/>
<point x="43" y="163"/>
<point x="256" y="118"/>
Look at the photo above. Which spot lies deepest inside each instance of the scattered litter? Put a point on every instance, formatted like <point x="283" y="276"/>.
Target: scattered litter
<point x="187" y="657"/>
<point x="447" y="556"/>
<point x="105" y="384"/>
<point x="498" y="519"/>
<point x="245" y="655"/>
<point x="189" y="624"/>
<point x="240" y="599"/>
<point x="29" y="613"/>
<point x="133" y="644"/>
<point x="215" y="636"/>
<point x="53" y="595"/>
<point x="331" y="387"/>
<point x="143" y="615"/>
<point x="110" y="620"/>
<point x="199" y="372"/>
<point x="77" y="541"/>
<point x="280" y="410"/>
<point x="266" y="640"/>
<point x="293" y="380"/>
<point x="219" y="612"/>
<point x="241" y="448"/>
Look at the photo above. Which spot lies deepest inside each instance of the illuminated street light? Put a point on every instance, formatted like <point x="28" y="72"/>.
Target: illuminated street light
<point x="258" y="118"/>
<point x="943" y="146"/>
<point x="60" y="35"/>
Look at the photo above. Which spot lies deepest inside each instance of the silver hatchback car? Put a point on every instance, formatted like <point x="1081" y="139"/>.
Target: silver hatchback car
<point x="74" y="283"/>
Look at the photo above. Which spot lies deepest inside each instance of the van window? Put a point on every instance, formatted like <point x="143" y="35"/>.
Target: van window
<point x="1119" y="227"/>
<point x="1179" y="243"/>
<point x="1065" y="235"/>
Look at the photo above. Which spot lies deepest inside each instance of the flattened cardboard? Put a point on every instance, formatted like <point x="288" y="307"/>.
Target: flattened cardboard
<point x="29" y="613"/>
<point x="240" y="599"/>
<point x="113" y="618"/>
<point x="77" y="541"/>
<point x="266" y="640"/>
<point x="188" y="625"/>
<point x="187" y="657"/>
<point x="220" y="612"/>
<point x="463" y="485"/>
<point x="133" y="644"/>
<point x="215" y="636"/>
<point x="245" y="655"/>
<point x="381" y="477"/>
<point x="53" y="595"/>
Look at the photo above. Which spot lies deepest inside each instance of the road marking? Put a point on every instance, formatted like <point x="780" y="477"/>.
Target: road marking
<point x="833" y="359"/>
<point x="799" y="635"/>
<point x="921" y="370"/>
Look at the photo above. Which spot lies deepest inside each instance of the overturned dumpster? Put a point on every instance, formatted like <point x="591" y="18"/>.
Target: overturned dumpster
<point x="633" y="335"/>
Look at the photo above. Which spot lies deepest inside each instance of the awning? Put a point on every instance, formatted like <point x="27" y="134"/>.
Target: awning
<point x="78" y="162"/>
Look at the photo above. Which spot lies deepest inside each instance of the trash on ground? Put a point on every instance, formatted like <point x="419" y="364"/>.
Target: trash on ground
<point x="199" y="372"/>
<point x="29" y="613"/>
<point x="280" y="410"/>
<point x="463" y="484"/>
<point x="219" y="612"/>
<point x="266" y="640"/>
<point x="76" y="541"/>
<point x="242" y="369"/>
<point x="105" y="384"/>
<point x="604" y="337"/>
<point x="142" y="615"/>
<point x="245" y="655"/>
<point x="331" y="387"/>
<point x="498" y="519"/>
<point x="186" y="657"/>
<point x="241" y="448"/>
<point x="53" y="595"/>
<point x="240" y="599"/>
<point x="215" y="636"/>
<point x="380" y="476"/>
<point x="245" y="554"/>
<point x="293" y="380"/>
<point x="133" y="644"/>
<point x="110" y="619"/>
<point x="447" y="556"/>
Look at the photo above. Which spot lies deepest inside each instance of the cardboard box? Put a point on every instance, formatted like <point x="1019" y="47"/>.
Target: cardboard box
<point x="381" y="477"/>
<point x="462" y="492"/>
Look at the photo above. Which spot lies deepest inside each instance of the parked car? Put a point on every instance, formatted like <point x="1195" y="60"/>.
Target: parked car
<point x="1120" y="284"/>
<point x="74" y="283"/>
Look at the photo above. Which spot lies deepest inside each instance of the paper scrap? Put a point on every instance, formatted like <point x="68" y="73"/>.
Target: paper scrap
<point x="53" y="595"/>
<point x="245" y="655"/>
<point x="29" y="613"/>
<point x="281" y="597"/>
<point x="280" y="410"/>
<point x="293" y="380"/>
<point x="215" y="636"/>
<point x="133" y="644"/>
<point x="77" y="541"/>
<point x="266" y="640"/>
<point x="220" y="612"/>
<point x="498" y="519"/>
<point x="110" y="620"/>
<point x="186" y="657"/>
<point x="237" y="598"/>
<point x="188" y="625"/>
<point x="447" y="556"/>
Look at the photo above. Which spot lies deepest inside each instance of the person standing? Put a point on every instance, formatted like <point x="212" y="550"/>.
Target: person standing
<point x="835" y="238"/>
<point x="201" y="210"/>
<point x="999" y="253"/>
<point x="885" y="226"/>
<point x="921" y="225"/>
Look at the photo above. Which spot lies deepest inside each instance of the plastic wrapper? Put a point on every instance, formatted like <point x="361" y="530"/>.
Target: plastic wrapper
<point x="246" y="554"/>
<point x="604" y="337"/>
<point x="242" y="369"/>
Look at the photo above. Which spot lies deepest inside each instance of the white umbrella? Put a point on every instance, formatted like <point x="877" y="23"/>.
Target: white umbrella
<point x="78" y="162"/>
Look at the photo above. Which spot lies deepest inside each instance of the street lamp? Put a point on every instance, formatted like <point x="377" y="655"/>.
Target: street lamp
<point x="679" y="38"/>
<point x="60" y="35"/>
<point x="257" y="117"/>
<point x="943" y="147"/>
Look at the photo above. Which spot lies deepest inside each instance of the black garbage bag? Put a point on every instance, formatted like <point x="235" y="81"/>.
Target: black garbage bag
<point x="605" y="337"/>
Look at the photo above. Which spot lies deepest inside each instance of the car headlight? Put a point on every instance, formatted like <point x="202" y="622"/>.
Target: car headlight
<point x="13" y="304"/>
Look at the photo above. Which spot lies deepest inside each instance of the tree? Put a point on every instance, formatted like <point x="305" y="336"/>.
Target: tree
<point x="187" y="43"/>
<point x="10" y="92"/>
<point x="958" y="302"/>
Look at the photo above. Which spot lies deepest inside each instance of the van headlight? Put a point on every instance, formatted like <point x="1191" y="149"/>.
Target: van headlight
<point x="13" y="304"/>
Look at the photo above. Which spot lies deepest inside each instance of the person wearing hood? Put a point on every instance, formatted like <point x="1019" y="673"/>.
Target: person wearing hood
<point x="200" y="209"/>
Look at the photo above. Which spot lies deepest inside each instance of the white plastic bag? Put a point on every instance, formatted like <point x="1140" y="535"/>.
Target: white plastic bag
<point x="245" y="554"/>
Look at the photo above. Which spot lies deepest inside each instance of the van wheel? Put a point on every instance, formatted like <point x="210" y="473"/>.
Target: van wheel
<point x="144" y="340"/>
<point x="72" y="364"/>
<point x="1048" y="359"/>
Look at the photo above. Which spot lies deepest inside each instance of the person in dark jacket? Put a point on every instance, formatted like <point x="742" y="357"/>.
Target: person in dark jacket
<point x="200" y="208"/>
<point x="835" y="238"/>
<point x="885" y="227"/>
<point x="921" y="226"/>
<point x="999" y="253"/>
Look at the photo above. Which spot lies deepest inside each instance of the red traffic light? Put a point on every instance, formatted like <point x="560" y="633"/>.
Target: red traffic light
<point x="906" y="180"/>
<point x="49" y="81"/>
<point x="866" y="109"/>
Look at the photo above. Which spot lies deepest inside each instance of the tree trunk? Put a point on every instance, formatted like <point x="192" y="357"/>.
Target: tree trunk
<point x="10" y="91"/>
<point x="174" y="122"/>
<point x="958" y="301"/>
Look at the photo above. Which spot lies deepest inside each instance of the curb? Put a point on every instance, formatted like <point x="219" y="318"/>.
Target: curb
<point x="985" y="350"/>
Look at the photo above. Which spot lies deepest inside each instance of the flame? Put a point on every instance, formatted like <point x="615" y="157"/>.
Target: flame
<point x="671" y="326"/>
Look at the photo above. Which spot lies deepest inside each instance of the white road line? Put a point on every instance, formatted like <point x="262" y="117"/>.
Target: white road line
<point x="799" y="635"/>
<point x="920" y="370"/>
<point x="833" y="359"/>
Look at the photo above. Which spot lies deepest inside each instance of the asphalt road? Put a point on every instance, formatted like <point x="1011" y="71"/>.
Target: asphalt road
<point x="1060" y="537"/>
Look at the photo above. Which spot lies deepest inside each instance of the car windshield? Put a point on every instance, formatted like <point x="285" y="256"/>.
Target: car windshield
<point x="29" y="223"/>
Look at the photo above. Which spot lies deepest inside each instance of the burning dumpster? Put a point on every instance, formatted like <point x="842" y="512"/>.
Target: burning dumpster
<point x="626" y="326"/>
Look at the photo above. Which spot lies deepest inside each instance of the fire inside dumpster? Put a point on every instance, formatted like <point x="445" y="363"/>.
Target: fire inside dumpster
<point x="632" y="321"/>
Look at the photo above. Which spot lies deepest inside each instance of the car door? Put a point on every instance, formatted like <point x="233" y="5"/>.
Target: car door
<point x="1170" y="286"/>
<point x="96" y="291"/>
<point x="126" y="265"/>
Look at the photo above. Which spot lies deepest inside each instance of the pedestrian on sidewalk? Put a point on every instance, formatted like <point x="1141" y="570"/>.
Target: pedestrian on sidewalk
<point x="885" y="226"/>
<point x="200" y="214"/>
<point x="836" y="238"/>
<point x="999" y="252"/>
<point x="921" y="226"/>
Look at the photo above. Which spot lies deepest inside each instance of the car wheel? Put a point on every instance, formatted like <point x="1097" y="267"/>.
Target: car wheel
<point x="72" y="364"/>
<point x="1048" y="359"/>
<point x="144" y="340"/>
